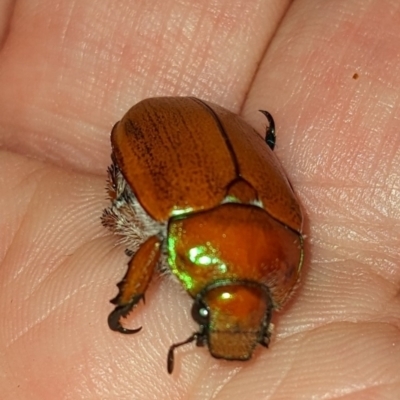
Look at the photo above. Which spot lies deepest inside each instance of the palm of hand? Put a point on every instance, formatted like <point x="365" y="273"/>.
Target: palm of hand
<point x="68" y="73"/>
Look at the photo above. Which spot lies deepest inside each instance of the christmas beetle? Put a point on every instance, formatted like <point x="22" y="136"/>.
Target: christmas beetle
<point x="196" y="191"/>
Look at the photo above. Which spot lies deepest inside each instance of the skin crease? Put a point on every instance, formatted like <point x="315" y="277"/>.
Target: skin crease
<point x="70" y="69"/>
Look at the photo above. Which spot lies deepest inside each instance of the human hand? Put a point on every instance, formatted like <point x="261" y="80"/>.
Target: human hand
<point x="70" y="70"/>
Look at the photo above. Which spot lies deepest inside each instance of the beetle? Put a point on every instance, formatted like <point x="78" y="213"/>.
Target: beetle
<point x="195" y="189"/>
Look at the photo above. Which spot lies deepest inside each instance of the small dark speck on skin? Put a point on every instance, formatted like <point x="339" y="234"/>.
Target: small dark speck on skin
<point x="355" y="76"/>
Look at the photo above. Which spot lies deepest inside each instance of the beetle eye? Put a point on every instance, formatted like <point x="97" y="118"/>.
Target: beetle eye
<point x="200" y="313"/>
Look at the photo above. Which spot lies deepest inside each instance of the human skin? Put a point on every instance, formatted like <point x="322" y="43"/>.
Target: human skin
<point x="70" y="69"/>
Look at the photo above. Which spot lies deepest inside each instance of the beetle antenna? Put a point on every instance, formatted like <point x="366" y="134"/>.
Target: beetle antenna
<point x="270" y="136"/>
<point x="170" y="358"/>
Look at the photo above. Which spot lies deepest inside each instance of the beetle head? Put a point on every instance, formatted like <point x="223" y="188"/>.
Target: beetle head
<point x="233" y="319"/>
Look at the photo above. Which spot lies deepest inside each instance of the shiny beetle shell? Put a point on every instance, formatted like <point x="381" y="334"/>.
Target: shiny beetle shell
<point x="181" y="154"/>
<point x="194" y="185"/>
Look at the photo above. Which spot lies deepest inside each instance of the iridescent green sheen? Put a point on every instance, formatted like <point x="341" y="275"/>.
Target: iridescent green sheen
<point x="202" y="256"/>
<point x="184" y="277"/>
<point x="231" y="199"/>
<point x="180" y="211"/>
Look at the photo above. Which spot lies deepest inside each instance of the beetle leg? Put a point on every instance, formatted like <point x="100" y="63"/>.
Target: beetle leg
<point x="268" y="332"/>
<point x="114" y="317"/>
<point x="270" y="137"/>
<point x="266" y="338"/>
<point x="135" y="282"/>
<point x="170" y="358"/>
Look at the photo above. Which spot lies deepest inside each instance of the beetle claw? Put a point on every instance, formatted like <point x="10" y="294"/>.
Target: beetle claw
<point x="270" y="136"/>
<point x="115" y="316"/>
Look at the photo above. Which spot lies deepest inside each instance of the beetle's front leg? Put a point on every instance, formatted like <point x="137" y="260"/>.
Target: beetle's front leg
<point x="135" y="282"/>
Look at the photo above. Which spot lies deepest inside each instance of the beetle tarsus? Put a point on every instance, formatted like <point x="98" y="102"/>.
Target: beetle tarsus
<point x="115" y="316"/>
<point x="270" y="137"/>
